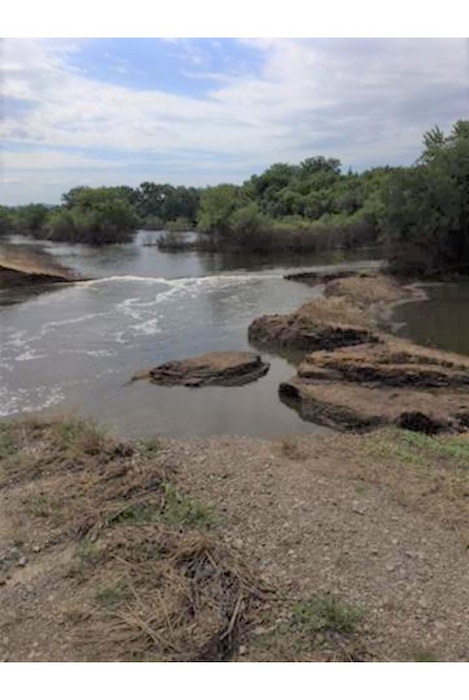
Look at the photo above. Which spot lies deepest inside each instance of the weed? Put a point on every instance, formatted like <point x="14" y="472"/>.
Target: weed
<point x="175" y="509"/>
<point x="361" y="488"/>
<point x="179" y="510"/>
<point x="7" y="443"/>
<point x="81" y="434"/>
<point x="111" y="596"/>
<point x="43" y="506"/>
<point x="322" y="614"/>
<point x="86" y="554"/>
<point x="290" y="448"/>
<point x="422" y="655"/>
<point x="149" y="446"/>
<point x="138" y="514"/>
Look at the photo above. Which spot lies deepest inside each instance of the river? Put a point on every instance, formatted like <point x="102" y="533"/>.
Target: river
<point x="73" y="349"/>
<point x="441" y="321"/>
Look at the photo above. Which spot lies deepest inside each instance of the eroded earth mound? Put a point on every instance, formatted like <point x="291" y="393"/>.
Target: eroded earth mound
<point x="213" y="368"/>
<point x="391" y="381"/>
<point x="318" y="324"/>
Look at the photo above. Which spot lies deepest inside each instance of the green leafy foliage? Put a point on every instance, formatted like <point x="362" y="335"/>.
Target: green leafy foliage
<point x="420" y="213"/>
<point x="217" y="204"/>
<point x="167" y="203"/>
<point x="323" y="614"/>
<point x="94" y="215"/>
<point x="425" y="216"/>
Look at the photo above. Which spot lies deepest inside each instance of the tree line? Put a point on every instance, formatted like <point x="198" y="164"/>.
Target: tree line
<point x="418" y="213"/>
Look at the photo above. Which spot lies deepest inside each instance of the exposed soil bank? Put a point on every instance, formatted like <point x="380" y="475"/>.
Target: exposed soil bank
<point x="21" y="266"/>
<point x="366" y="378"/>
<point x="212" y="368"/>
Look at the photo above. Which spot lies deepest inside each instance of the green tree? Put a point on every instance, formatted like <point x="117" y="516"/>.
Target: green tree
<point x="166" y="202"/>
<point x="94" y="215"/>
<point x="217" y="204"/>
<point x="8" y="221"/>
<point x="31" y="219"/>
<point x="426" y="207"/>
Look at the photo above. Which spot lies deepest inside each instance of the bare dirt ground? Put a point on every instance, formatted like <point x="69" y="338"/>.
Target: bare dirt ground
<point x="373" y="520"/>
<point x="376" y="523"/>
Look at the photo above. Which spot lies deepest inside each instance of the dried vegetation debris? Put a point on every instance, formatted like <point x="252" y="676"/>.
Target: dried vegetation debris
<point x="148" y="577"/>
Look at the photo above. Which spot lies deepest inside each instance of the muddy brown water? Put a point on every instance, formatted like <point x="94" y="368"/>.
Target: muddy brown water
<point x="441" y="321"/>
<point x="74" y="348"/>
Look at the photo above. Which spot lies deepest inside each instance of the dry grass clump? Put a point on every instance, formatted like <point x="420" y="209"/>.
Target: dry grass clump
<point x="290" y="447"/>
<point x="149" y="577"/>
<point x="167" y="595"/>
<point x="336" y="310"/>
<point x="366" y="289"/>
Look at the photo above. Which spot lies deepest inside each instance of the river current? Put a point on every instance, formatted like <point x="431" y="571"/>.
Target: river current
<point x="73" y="349"/>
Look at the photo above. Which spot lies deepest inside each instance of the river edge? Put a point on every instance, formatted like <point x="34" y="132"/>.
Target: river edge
<point x="22" y="267"/>
<point x="331" y="547"/>
<point x="353" y="372"/>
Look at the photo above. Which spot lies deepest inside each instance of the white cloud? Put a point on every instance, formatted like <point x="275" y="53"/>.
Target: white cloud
<point x="54" y="160"/>
<point x="10" y="181"/>
<point x="361" y="101"/>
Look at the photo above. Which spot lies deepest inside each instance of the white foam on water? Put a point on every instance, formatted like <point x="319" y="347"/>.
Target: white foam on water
<point x="27" y="356"/>
<point x="29" y="400"/>
<point x="180" y="281"/>
<point x="17" y="339"/>
<point x="22" y="340"/>
<point x="122" y="278"/>
<point x="150" y="327"/>
<point x="51" y="325"/>
<point x="90" y="353"/>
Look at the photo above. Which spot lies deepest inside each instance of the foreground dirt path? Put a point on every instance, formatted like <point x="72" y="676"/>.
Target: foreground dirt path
<point x="314" y="521"/>
<point x="94" y="534"/>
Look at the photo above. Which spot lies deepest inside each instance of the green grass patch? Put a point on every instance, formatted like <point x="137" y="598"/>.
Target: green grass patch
<point x="174" y="509"/>
<point x="7" y="441"/>
<point x="81" y="434"/>
<point x="424" y="655"/>
<point x="112" y="596"/>
<point x="325" y="614"/>
<point x="414" y="449"/>
<point x="43" y="506"/>
<point x="149" y="446"/>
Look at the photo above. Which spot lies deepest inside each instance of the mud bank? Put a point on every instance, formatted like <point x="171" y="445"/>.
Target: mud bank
<point x="356" y="376"/>
<point x="20" y="266"/>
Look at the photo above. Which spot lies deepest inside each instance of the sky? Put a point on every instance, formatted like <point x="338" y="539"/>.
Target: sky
<point x="209" y="110"/>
